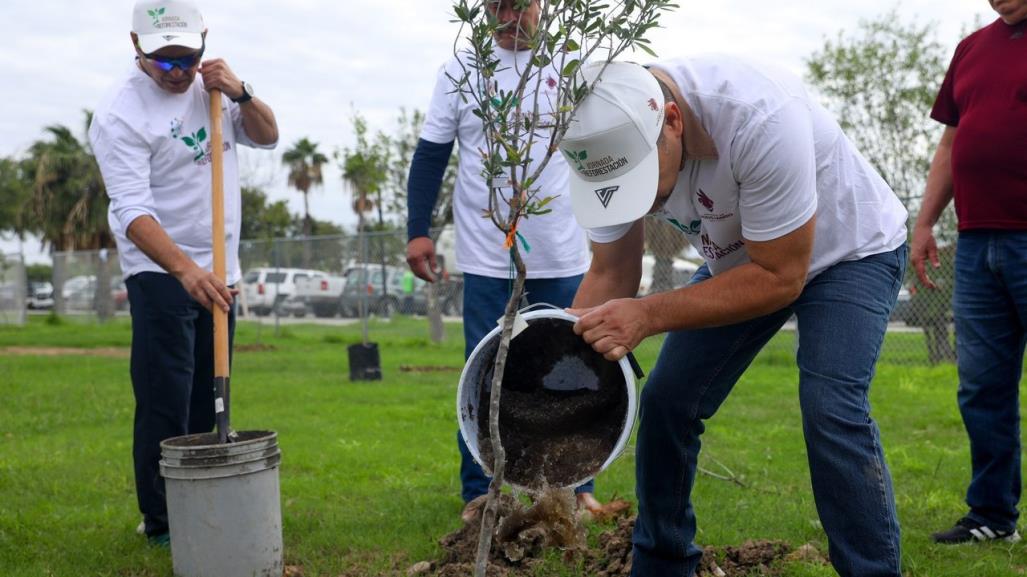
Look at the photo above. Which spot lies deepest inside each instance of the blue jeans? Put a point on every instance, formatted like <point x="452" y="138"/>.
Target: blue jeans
<point x="485" y="301"/>
<point x="990" y="306"/>
<point x="172" y="368"/>
<point x="842" y="316"/>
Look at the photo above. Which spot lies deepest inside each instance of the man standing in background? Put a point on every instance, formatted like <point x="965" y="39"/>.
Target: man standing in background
<point x="559" y="254"/>
<point x="981" y="161"/>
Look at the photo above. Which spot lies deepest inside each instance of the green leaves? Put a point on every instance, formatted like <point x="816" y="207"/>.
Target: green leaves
<point x="570" y="68"/>
<point x="201" y="135"/>
<point x="188" y="141"/>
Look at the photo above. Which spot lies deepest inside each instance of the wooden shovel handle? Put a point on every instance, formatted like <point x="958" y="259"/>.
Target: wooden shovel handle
<point x="218" y="229"/>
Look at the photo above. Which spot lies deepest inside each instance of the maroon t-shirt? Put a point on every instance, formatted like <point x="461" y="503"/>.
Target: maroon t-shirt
<point x="985" y="95"/>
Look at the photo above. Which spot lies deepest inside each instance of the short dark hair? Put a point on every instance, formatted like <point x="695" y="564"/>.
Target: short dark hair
<point x="668" y="96"/>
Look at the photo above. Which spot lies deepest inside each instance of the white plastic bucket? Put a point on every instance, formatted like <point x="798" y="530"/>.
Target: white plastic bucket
<point x="554" y="366"/>
<point x="224" y="508"/>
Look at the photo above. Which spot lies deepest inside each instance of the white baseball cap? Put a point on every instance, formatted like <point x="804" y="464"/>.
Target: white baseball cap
<point x="167" y="23"/>
<point x="611" y="145"/>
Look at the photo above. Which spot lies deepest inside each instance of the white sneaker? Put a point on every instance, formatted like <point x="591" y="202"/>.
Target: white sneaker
<point x="141" y="528"/>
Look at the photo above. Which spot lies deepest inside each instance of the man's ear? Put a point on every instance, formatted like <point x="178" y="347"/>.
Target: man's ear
<point x="673" y="121"/>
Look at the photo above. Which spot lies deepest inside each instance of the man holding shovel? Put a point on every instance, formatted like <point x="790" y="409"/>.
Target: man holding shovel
<point x="151" y="138"/>
<point x="790" y="219"/>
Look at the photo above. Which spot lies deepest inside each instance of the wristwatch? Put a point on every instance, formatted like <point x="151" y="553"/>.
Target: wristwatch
<point x="247" y="93"/>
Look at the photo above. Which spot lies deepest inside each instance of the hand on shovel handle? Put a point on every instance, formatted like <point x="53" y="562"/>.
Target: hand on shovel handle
<point x="221" y="385"/>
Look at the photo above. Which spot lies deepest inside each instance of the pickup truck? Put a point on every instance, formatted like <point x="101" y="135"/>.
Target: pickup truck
<point x="265" y="289"/>
<point x="320" y="295"/>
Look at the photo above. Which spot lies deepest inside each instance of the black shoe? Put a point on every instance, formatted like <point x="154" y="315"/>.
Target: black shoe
<point x="967" y="530"/>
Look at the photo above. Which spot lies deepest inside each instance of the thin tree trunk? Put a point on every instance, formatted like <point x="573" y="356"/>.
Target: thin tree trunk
<point x="488" y="517"/>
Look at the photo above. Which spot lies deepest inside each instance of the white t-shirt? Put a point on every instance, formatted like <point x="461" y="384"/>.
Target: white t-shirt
<point x="153" y="149"/>
<point x="558" y="245"/>
<point x="781" y="158"/>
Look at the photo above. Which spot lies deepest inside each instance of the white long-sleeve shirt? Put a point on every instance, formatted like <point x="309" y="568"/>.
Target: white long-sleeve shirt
<point x="153" y="149"/>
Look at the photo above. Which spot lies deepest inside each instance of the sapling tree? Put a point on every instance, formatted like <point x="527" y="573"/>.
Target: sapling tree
<point x="568" y="34"/>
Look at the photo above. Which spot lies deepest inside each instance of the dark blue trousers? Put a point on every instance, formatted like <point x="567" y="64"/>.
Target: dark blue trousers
<point x="172" y="369"/>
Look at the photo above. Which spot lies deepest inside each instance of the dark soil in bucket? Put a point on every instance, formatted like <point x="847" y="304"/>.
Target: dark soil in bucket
<point x="610" y="557"/>
<point x="562" y="408"/>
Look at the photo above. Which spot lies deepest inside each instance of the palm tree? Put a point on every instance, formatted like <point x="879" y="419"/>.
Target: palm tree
<point x="68" y="203"/>
<point x="304" y="162"/>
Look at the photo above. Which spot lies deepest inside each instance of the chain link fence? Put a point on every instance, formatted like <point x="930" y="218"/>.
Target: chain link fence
<point x="14" y="291"/>
<point x="342" y="279"/>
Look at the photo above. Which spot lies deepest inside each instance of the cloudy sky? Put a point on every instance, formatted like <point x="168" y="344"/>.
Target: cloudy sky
<point x="316" y="61"/>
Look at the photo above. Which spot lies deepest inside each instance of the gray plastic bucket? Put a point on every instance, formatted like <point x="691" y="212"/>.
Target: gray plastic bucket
<point x="224" y="508"/>
<point x="552" y="360"/>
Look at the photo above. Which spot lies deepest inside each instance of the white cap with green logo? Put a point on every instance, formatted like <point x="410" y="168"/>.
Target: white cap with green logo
<point x="167" y="23"/>
<point x="611" y="145"/>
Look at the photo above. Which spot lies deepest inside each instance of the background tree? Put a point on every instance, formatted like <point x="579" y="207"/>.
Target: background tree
<point x="304" y="162"/>
<point x="67" y="208"/>
<point x="68" y="202"/>
<point x="14" y="195"/>
<point x="881" y="84"/>
<point x="263" y="221"/>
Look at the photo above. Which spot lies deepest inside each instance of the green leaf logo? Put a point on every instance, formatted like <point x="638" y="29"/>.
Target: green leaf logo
<point x="156" y="14"/>
<point x="202" y="134"/>
<point x="578" y="157"/>
<point x="188" y="141"/>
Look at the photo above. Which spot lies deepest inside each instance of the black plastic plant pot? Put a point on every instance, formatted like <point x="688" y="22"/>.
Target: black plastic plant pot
<point x="364" y="362"/>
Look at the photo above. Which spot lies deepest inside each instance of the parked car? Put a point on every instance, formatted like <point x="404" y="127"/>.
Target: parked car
<point x="40" y="296"/>
<point x="364" y="281"/>
<point x="79" y="292"/>
<point x="266" y="288"/>
<point x="903" y="310"/>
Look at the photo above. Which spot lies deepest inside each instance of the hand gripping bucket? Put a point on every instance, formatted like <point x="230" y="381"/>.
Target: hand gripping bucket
<point x="566" y="412"/>
<point x="223" y="505"/>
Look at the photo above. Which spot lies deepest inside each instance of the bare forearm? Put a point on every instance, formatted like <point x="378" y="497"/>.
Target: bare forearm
<point x="595" y="289"/>
<point x="155" y="243"/>
<point x="258" y="121"/>
<point x="938" y="193"/>
<point x="201" y="284"/>
<point x="742" y="293"/>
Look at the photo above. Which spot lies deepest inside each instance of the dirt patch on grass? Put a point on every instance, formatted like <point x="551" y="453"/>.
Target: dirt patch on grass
<point x="428" y="369"/>
<point x="610" y="557"/>
<point x="254" y="348"/>
<point x="108" y="352"/>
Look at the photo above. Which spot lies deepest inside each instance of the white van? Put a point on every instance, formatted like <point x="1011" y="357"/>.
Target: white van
<point x="263" y="289"/>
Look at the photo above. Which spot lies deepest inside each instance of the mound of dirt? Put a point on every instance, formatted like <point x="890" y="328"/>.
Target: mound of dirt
<point x="520" y="556"/>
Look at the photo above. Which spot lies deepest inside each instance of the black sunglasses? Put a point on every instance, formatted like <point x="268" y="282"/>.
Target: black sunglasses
<point x="183" y="62"/>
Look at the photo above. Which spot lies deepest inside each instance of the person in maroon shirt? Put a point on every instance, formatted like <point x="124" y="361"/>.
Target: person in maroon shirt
<point x="981" y="162"/>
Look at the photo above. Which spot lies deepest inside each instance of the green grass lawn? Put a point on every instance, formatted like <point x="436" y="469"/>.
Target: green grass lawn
<point x="369" y="471"/>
